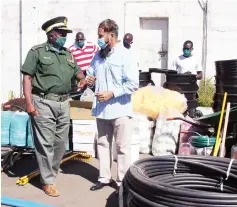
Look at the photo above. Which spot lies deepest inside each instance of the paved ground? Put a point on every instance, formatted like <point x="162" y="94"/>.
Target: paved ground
<point x="73" y="182"/>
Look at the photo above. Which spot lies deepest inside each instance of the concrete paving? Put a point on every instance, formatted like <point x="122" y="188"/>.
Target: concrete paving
<point x="73" y="182"/>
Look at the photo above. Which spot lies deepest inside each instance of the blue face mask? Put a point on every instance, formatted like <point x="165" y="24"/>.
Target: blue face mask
<point x="59" y="43"/>
<point x="187" y="52"/>
<point x="101" y="43"/>
<point x="80" y="44"/>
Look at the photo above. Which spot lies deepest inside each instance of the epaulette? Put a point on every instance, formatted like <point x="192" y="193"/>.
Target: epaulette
<point x="37" y="47"/>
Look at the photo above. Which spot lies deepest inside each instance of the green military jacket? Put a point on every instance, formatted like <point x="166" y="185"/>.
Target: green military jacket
<point x="52" y="71"/>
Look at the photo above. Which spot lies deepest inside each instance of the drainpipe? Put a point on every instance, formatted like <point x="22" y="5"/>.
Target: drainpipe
<point x="205" y="23"/>
<point x="20" y="43"/>
<point x="124" y="18"/>
<point x="204" y="7"/>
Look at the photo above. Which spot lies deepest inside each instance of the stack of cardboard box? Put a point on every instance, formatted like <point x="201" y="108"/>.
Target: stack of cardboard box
<point x="84" y="130"/>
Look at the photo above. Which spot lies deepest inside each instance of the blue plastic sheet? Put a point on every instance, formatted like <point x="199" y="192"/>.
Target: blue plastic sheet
<point x="6" y="117"/>
<point x="18" y="129"/>
<point x="67" y="146"/>
<point x="29" y="135"/>
<point x="20" y="203"/>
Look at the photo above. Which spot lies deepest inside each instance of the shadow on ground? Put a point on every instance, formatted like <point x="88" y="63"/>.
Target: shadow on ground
<point x="82" y="169"/>
<point x="85" y="170"/>
<point x="24" y="166"/>
<point x="112" y="200"/>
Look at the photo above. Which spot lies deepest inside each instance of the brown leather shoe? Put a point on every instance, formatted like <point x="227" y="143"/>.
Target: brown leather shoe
<point x="50" y="190"/>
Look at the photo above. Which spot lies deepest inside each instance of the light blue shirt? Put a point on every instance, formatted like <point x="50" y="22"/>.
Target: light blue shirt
<point x="117" y="73"/>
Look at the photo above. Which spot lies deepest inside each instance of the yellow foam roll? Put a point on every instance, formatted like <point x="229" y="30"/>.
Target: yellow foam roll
<point x="151" y="101"/>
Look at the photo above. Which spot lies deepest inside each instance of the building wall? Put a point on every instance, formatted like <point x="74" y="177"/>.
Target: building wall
<point x="10" y="58"/>
<point x="185" y="22"/>
<point x="222" y="32"/>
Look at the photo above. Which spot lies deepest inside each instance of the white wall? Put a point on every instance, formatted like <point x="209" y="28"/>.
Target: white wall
<point x="10" y="59"/>
<point x="185" y="22"/>
<point x="222" y="32"/>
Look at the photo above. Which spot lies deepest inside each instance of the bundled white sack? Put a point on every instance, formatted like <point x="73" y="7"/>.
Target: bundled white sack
<point x="166" y="136"/>
<point x="142" y="132"/>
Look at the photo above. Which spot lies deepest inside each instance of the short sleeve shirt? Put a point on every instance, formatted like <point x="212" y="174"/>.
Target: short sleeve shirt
<point x="51" y="70"/>
<point x="186" y="64"/>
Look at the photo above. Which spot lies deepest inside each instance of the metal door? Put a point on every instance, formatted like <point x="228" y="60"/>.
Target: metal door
<point x="154" y="45"/>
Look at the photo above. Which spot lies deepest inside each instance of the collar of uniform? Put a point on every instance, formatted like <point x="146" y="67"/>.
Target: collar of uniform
<point x="49" y="47"/>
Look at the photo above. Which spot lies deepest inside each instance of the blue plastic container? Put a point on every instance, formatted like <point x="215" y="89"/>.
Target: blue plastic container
<point x="67" y="146"/>
<point x="6" y="117"/>
<point x="29" y="135"/>
<point x="18" y="129"/>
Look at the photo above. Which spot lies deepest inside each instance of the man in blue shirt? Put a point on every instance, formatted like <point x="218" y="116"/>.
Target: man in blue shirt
<point x="115" y="75"/>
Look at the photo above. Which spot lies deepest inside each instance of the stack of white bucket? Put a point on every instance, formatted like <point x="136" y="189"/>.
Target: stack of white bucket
<point x="84" y="136"/>
<point x="141" y="137"/>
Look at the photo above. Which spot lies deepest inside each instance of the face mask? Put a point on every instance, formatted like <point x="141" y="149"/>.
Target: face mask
<point x="101" y="43"/>
<point x="60" y="41"/>
<point x="80" y="44"/>
<point x="126" y="44"/>
<point x="187" y="52"/>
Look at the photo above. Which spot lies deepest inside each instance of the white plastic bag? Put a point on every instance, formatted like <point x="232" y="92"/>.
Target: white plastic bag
<point x="166" y="136"/>
<point x="142" y="132"/>
<point x="88" y="95"/>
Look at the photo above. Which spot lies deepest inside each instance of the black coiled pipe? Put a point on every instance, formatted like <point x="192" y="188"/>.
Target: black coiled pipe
<point x="197" y="181"/>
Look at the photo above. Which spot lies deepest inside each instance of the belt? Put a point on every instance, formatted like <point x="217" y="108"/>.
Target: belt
<point x="53" y="97"/>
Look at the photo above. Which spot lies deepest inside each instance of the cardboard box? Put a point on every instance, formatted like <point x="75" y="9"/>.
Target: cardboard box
<point x="89" y="148"/>
<point x="84" y="131"/>
<point x="81" y="110"/>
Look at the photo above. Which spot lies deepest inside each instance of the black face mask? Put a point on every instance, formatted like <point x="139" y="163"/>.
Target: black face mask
<point x="104" y="52"/>
<point x="126" y="44"/>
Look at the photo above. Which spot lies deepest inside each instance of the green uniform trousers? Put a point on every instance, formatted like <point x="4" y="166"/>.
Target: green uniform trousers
<point x="50" y="131"/>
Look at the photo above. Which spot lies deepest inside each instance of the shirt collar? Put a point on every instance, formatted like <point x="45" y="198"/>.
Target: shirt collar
<point x="51" y="48"/>
<point x="118" y="45"/>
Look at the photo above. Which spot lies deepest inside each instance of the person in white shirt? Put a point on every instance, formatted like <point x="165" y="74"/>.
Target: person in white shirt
<point x="187" y="63"/>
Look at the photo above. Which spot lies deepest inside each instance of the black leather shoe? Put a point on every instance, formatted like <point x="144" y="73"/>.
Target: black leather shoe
<point x="99" y="186"/>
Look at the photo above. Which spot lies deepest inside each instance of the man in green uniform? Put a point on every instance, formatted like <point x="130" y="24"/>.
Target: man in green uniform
<point x="47" y="71"/>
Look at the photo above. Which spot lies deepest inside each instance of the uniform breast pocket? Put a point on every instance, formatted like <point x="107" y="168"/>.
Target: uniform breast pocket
<point x="71" y="65"/>
<point x="68" y="69"/>
<point x="47" y="65"/>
